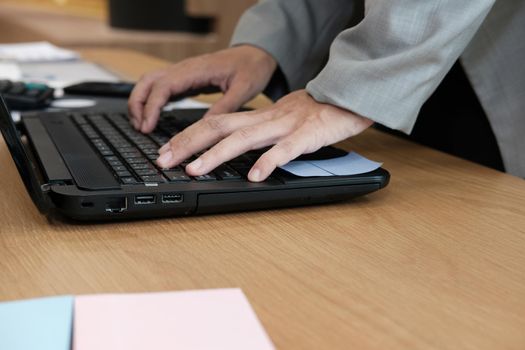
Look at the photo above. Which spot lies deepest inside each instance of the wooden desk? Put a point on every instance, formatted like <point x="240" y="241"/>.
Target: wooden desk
<point x="33" y="22"/>
<point x="434" y="261"/>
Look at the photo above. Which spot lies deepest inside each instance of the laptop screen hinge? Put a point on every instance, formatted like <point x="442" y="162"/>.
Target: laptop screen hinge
<point x="45" y="187"/>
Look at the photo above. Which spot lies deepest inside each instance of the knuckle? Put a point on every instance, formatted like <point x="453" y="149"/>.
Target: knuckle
<point x="180" y="140"/>
<point x="213" y="155"/>
<point x="245" y="133"/>
<point x="160" y="85"/>
<point x="214" y="122"/>
<point x="151" y="76"/>
<point x="285" y="147"/>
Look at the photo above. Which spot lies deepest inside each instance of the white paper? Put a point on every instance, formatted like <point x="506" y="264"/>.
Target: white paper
<point x="62" y="74"/>
<point x="10" y="71"/>
<point x="186" y="103"/>
<point x="351" y="164"/>
<point x="40" y="51"/>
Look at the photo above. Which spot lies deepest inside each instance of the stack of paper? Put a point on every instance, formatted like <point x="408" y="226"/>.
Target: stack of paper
<point x="10" y="71"/>
<point x="208" y="319"/>
<point x="35" y="52"/>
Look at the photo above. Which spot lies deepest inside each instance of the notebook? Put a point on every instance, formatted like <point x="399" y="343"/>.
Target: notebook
<point x="93" y="165"/>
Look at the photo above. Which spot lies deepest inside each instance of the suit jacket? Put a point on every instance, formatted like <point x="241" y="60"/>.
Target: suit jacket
<point x="386" y="57"/>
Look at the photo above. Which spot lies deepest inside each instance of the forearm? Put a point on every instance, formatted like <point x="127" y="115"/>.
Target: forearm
<point x="386" y="67"/>
<point x="297" y="33"/>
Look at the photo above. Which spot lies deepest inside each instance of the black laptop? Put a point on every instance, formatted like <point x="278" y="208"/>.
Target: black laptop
<point x="94" y="166"/>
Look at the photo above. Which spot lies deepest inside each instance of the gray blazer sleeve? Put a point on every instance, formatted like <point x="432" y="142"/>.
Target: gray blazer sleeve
<point x="297" y="33"/>
<point x="383" y="68"/>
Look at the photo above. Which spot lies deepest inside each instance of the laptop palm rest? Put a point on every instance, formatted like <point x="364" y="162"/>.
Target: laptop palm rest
<point x="87" y="169"/>
<point x="50" y="161"/>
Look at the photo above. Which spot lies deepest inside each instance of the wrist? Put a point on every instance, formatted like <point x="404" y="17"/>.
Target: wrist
<point x="258" y="55"/>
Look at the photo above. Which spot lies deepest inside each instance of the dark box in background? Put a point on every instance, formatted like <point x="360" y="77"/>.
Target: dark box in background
<point x="155" y="15"/>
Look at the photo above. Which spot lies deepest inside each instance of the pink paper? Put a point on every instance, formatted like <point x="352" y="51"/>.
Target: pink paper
<point x="203" y="319"/>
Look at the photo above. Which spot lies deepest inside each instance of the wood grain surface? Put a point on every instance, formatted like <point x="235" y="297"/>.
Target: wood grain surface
<point x="434" y="261"/>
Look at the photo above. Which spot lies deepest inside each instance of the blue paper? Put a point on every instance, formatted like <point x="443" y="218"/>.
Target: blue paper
<point x="36" y="324"/>
<point x="351" y="164"/>
<point x="304" y="168"/>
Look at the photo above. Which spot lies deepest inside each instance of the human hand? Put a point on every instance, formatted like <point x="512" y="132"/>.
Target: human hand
<point x="241" y="72"/>
<point x="295" y="125"/>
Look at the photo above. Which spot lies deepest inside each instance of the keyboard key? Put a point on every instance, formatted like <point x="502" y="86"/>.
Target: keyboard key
<point x="143" y="172"/>
<point x="128" y="180"/>
<point x="79" y="119"/>
<point x="131" y="154"/>
<point x="140" y="160"/>
<point x="123" y="173"/>
<point x="126" y="149"/>
<point x="141" y="166"/>
<point x="152" y="178"/>
<point x="206" y="177"/>
<point x="154" y="151"/>
<point x="115" y="162"/>
<point x="227" y="173"/>
<point x="119" y="168"/>
<point x="242" y="169"/>
<point x="176" y="175"/>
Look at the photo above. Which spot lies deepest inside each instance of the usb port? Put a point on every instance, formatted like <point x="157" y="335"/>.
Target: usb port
<point x="145" y="199"/>
<point x="172" y="198"/>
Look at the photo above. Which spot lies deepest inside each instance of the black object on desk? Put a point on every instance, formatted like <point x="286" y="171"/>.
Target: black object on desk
<point x="123" y="89"/>
<point x="25" y="96"/>
<point x="156" y="15"/>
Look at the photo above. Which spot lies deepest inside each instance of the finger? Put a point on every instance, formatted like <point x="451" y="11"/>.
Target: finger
<point x="283" y="152"/>
<point x="162" y="90"/>
<point x="237" y="94"/>
<point x="236" y="120"/>
<point x="158" y="97"/>
<point x="139" y="96"/>
<point x="203" y="134"/>
<point x="241" y="141"/>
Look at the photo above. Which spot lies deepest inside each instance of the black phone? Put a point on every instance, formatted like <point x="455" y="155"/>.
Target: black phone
<point x="123" y="89"/>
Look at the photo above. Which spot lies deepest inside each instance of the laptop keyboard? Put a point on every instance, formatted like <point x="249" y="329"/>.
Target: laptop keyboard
<point x="131" y="155"/>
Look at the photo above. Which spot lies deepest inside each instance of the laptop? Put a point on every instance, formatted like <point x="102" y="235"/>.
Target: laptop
<point x="93" y="166"/>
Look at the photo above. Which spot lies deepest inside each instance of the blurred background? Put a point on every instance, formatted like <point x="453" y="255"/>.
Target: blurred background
<point x="168" y="29"/>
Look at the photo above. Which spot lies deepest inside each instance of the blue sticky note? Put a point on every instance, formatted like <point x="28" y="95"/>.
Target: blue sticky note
<point x="350" y="164"/>
<point x="304" y="168"/>
<point x="37" y="324"/>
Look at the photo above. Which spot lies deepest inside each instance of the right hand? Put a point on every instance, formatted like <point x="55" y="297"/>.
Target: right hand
<point x="242" y="72"/>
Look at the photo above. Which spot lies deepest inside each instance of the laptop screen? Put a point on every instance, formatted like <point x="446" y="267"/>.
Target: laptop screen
<point x="26" y="167"/>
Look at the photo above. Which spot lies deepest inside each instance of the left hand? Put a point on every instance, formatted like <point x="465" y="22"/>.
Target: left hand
<point x="295" y="125"/>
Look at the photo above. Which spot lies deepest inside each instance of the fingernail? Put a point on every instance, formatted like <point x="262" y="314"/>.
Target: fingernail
<point x="254" y="175"/>
<point x="143" y="126"/>
<point x="164" y="148"/>
<point x="164" y="158"/>
<point x="196" y="164"/>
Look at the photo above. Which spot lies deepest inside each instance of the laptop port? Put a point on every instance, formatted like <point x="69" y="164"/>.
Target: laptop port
<point x="145" y="199"/>
<point x="116" y="205"/>
<point x="172" y="198"/>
